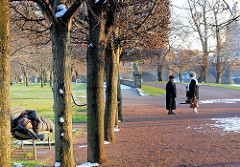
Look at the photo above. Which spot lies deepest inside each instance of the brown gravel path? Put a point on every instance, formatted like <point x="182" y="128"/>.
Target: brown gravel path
<point x="151" y="138"/>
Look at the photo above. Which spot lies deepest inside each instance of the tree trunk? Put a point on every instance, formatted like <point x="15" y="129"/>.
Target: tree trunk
<point x="60" y="35"/>
<point x="5" y="139"/>
<point x="77" y="76"/>
<point x="24" y="70"/>
<point x="27" y="79"/>
<point x="101" y="20"/>
<point x="95" y="107"/>
<point x="203" y="37"/>
<point x="95" y="77"/>
<point x="205" y="46"/>
<point x="24" y="79"/>
<point x="159" y="72"/>
<point x="218" y="50"/>
<point x="180" y="75"/>
<point x="41" y="77"/>
<point x="218" y="70"/>
<point x="119" y="99"/>
<point x="17" y="79"/>
<point x="44" y="77"/>
<point x="203" y="77"/>
<point x="112" y="66"/>
<point x="219" y="78"/>
<point x="51" y="78"/>
<point x="230" y="75"/>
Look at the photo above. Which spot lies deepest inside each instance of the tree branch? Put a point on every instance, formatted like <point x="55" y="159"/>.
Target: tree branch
<point x="71" y="10"/>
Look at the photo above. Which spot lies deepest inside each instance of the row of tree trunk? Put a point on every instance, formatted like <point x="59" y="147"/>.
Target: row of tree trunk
<point x="61" y="48"/>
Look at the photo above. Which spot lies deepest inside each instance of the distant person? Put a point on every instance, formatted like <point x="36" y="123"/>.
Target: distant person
<point x="192" y="91"/>
<point x="171" y="94"/>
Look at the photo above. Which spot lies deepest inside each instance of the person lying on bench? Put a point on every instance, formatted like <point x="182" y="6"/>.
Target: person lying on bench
<point x="31" y="120"/>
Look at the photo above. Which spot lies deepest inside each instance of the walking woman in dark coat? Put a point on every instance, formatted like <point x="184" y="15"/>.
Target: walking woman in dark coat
<point x="171" y="94"/>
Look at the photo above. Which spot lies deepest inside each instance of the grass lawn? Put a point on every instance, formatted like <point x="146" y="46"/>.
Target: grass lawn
<point x="26" y="163"/>
<point x="210" y="84"/>
<point x="152" y="91"/>
<point x="41" y="100"/>
<point x="222" y="85"/>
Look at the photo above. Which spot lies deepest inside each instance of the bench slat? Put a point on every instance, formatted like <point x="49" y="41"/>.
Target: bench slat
<point x="15" y="111"/>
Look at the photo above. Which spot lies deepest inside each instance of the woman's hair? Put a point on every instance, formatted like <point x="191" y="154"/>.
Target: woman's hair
<point x="23" y="121"/>
<point x="192" y="74"/>
<point x="171" y="77"/>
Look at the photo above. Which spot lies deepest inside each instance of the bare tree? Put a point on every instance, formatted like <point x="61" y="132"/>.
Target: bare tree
<point x="227" y="39"/>
<point x="111" y="108"/>
<point x="200" y="23"/>
<point x="59" y="19"/>
<point x="5" y="141"/>
<point x="99" y="30"/>
<point x="184" y="60"/>
<point x="138" y="24"/>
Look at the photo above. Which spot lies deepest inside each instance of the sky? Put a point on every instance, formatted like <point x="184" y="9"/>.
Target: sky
<point x="179" y="12"/>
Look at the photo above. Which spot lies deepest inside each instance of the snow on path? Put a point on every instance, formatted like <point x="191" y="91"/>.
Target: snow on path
<point x="82" y="146"/>
<point x="87" y="164"/>
<point x="231" y="124"/>
<point x="219" y="101"/>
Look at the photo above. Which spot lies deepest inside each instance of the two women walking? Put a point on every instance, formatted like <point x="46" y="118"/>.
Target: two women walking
<point x="192" y="94"/>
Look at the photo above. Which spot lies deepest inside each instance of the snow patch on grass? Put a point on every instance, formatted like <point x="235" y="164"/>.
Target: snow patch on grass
<point x="17" y="164"/>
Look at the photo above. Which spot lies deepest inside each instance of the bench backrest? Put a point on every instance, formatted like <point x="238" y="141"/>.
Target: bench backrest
<point x="16" y="111"/>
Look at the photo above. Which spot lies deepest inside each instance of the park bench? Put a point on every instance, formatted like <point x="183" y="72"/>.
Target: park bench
<point x="23" y="133"/>
<point x="78" y="101"/>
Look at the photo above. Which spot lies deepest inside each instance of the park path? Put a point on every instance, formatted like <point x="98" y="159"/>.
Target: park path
<point x="206" y="93"/>
<point x="149" y="137"/>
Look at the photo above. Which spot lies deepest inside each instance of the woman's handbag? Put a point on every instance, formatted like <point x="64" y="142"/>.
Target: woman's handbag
<point x="194" y="103"/>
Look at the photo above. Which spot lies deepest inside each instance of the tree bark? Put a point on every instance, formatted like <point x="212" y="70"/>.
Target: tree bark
<point x="119" y="99"/>
<point x="45" y="77"/>
<point x="230" y="75"/>
<point x="112" y="66"/>
<point x="51" y="78"/>
<point x="218" y="50"/>
<point x="5" y="139"/>
<point x="60" y="35"/>
<point x="95" y="77"/>
<point x="159" y="72"/>
<point x="25" y="73"/>
<point x="27" y="79"/>
<point x="101" y="20"/>
<point x="205" y="46"/>
<point x="203" y="38"/>
<point x="218" y="79"/>
<point x="180" y="75"/>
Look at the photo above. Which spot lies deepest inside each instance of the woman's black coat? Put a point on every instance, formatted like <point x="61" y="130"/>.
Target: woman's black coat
<point x="171" y="94"/>
<point x="193" y="90"/>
